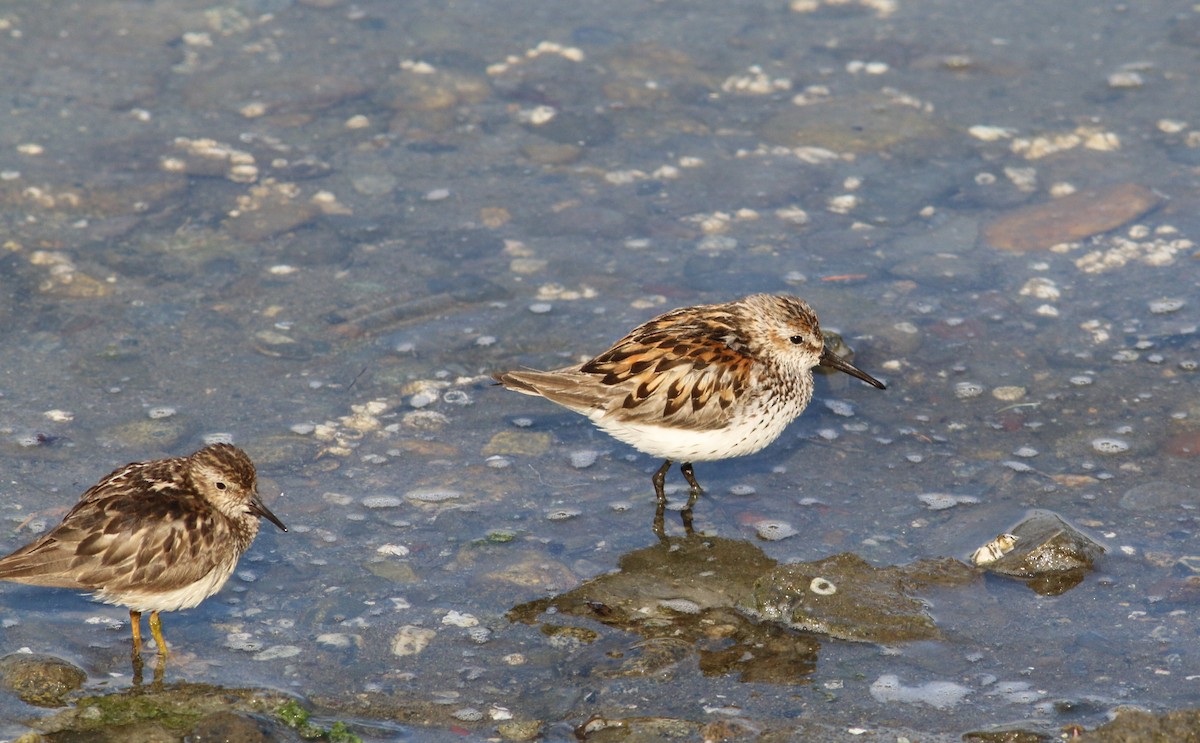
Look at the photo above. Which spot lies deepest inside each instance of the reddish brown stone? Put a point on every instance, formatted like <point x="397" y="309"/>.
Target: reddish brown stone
<point x="1069" y="219"/>
<point x="1184" y="444"/>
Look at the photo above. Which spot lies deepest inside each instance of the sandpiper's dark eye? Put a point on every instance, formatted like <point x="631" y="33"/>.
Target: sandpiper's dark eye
<point x="221" y="485"/>
<point x="797" y="339"/>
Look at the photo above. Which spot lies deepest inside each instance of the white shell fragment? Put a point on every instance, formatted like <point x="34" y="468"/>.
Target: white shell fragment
<point x="460" y="619"/>
<point x="822" y="587"/>
<point x="773" y="531"/>
<point x="994" y="550"/>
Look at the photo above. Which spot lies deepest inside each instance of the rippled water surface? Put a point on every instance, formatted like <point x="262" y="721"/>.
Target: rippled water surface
<point x="317" y="227"/>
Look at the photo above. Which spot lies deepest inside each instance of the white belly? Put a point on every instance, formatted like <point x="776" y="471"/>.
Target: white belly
<point x="743" y="436"/>
<point x="180" y="598"/>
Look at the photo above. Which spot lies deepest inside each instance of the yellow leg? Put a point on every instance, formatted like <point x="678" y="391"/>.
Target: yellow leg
<point x="135" y="621"/>
<point x="156" y="630"/>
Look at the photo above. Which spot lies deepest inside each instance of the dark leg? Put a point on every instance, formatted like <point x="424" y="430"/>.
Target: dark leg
<point x="690" y="476"/>
<point x="659" y="479"/>
<point x="686" y="513"/>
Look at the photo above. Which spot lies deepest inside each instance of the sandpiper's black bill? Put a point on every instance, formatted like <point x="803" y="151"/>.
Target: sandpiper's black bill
<point x="833" y="361"/>
<point x="257" y="508"/>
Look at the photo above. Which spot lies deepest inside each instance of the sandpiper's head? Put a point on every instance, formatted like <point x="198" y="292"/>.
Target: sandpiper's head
<point x="790" y="334"/>
<point x="786" y="328"/>
<point x="226" y="477"/>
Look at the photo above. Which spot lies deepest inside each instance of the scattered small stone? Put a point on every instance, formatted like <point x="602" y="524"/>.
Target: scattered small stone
<point x="459" y="619"/>
<point x="840" y="407"/>
<point x="423" y="398"/>
<point x="1166" y="306"/>
<point x="681" y="606"/>
<point x="411" y="640"/>
<point x="939" y="694"/>
<point x="584" y="458"/>
<point x="243" y="641"/>
<point x="942" y="501"/>
<point x="967" y="390"/>
<point x="381" y="501"/>
<point x="520" y="730"/>
<point x="278" y="652"/>
<point x="431" y="495"/>
<point x="1008" y="393"/>
<point x="456" y="397"/>
<point x="1125" y="79"/>
<point x="1110" y="445"/>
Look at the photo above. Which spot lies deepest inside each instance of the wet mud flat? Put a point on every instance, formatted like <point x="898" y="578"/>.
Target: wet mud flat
<point x="317" y="227"/>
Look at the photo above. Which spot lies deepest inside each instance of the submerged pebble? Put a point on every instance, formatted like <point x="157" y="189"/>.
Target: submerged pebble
<point x="942" y="501"/>
<point x="381" y="501"/>
<point x="1166" y="306"/>
<point x="773" y="531"/>
<point x="1069" y="218"/>
<point x="840" y="407"/>
<point x="411" y="640"/>
<point x="431" y="495"/>
<point x="1110" y="445"/>
<point x="460" y="619"/>
<point x="277" y="652"/>
<point x="967" y="390"/>
<point x="939" y="694"/>
<point x="584" y="458"/>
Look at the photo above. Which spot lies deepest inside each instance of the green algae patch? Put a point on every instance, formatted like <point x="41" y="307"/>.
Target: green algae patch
<point x="292" y="714"/>
<point x="163" y="713"/>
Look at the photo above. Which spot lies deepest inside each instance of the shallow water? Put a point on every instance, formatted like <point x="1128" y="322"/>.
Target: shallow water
<point x="400" y="198"/>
